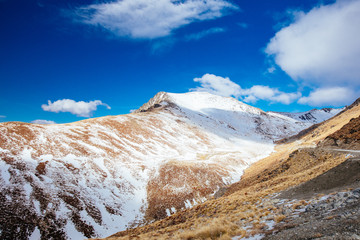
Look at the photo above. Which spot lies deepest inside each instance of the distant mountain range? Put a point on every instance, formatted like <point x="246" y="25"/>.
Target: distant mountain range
<point x="95" y="177"/>
<point x="314" y="115"/>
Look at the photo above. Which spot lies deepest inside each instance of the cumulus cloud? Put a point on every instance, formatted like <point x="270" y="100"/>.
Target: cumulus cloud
<point x="217" y="85"/>
<point x="335" y="96"/>
<point x="322" y="46"/>
<point x="80" y="109"/>
<point x="40" y="121"/>
<point x="199" y="35"/>
<point x="148" y="19"/>
<point x="225" y="87"/>
<point x="260" y="92"/>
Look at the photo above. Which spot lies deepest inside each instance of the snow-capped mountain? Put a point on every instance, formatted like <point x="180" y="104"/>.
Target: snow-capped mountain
<point x="99" y="176"/>
<point x="314" y="115"/>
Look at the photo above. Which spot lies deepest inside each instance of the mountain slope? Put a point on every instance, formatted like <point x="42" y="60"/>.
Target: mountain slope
<point x="348" y="137"/>
<point x="314" y="115"/>
<point x="250" y="207"/>
<point x="99" y="176"/>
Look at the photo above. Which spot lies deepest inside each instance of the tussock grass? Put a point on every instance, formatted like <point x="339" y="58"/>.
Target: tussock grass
<point x="279" y="218"/>
<point x="214" y="230"/>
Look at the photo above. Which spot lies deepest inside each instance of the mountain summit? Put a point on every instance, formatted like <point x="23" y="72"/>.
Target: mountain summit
<point x="213" y="111"/>
<point x="99" y="176"/>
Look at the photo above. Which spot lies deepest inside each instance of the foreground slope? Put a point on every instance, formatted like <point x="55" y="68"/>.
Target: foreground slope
<point x="251" y="207"/>
<point x="95" y="177"/>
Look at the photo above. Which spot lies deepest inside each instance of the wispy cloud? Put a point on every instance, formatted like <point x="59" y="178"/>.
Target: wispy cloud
<point x="80" y="109"/>
<point x="243" y="25"/>
<point x="40" y="121"/>
<point x="162" y="45"/>
<point x="225" y="87"/>
<point x="2" y="116"/>
<point x="199" y="35"/>
<point x="271" y="69"/>
<point x="149" y="19"/>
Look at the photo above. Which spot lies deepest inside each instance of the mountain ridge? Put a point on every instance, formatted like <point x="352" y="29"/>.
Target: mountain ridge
<point x="314" y="115"/>
<point x="251" y="208"/>
<point x="97" y="176"/>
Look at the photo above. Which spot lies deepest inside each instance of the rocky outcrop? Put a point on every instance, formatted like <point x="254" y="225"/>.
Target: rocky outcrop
<point x="348" y="137"/>
<point x="157" y="101"/>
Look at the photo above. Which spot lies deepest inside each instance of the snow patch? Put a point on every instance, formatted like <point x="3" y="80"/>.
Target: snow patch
<point x="36" y="235"/>
<point x="168" y="212"/>
<point x="72" y="233"/>
<point x="5" y="174"/>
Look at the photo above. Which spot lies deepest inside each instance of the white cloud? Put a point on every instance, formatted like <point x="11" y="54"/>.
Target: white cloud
<point x="40" y="121"/>
<point x="260" y="92"/>
<point x="80" y="109"/>
<point x="151" y="18"/>
<point x="225" y="87"/>
<point x="199" y="35"/>
<point x="322" y="46"/>
<point x="2" y="116"/>
<point x="217" y="85"/>
<point x="335" y="96"/>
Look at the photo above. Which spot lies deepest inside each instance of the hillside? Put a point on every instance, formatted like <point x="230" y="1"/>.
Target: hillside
<point x="95" y="177"/>
<point x="348" y="137"/>
<point x="252" y="207"/>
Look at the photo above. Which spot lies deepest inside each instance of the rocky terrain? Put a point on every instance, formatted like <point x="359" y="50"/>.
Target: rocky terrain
<point x="348" y="137"/>
<point x="327" y="207"/>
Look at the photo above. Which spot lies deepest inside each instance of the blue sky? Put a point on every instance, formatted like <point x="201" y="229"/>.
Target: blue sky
<point x="97" y="58"/>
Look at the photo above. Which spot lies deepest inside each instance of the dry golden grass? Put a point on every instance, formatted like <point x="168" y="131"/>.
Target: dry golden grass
<point x="214" y="230"/>
<point x="331" y="126"/>
<point x="299" y="204"/>
<point x="279" y="218"/>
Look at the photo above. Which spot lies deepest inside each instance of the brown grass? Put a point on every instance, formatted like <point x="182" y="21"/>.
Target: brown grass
<point x="213" y="230"/>
<point x="279" y="218"/>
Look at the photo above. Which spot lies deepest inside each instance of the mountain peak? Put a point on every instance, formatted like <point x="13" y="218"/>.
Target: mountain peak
<point x="154" y="102"/>
<point x="197" y="101"/>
